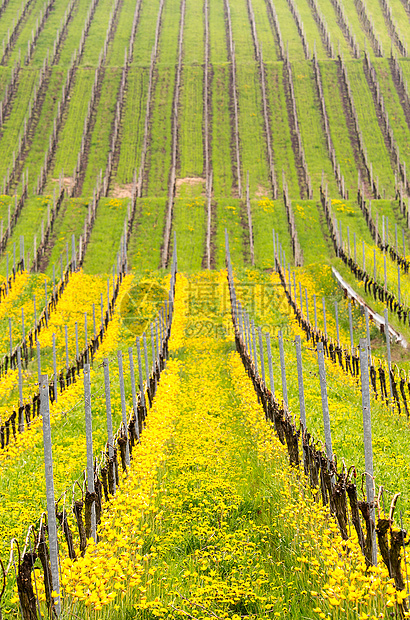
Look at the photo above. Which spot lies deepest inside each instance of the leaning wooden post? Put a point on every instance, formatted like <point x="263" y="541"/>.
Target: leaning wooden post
<point x="298" y="345"/>
<point x="387" y="334"/>
<point x="110" y="434"/>
<point x="261" y="355"/>
<point x="367" y="435"/>
<point x="21" y="414"/>
<point x="123" y="408"/>
<point x="141" y="377"/>
<point x="133" y="391"/>
<point x="51" y="514"/>
<point x="283" y="369"/>
<point x="89" y="442"/>
<point x="55" y="368"/>
<point x="325" y="405"/>
<point x="272" y="383"/>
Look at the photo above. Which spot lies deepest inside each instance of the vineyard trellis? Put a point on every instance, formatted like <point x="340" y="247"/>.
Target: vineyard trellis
<point x="329" y="143"/>
<point x="320" y="468"/>
<point x="305" y="181"/>
<point x="268" y="131"/>
<point x="234" y="95"/>
<point x="102" y="474"/>
<point x="174" y="144"/>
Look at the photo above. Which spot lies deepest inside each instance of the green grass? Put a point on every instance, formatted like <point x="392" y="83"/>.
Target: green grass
<point x="336" y="34"/>
<point x="389" y="430"/>
<point x="158" y="160"/>
<point x="73" y="34"/>
<point x="251" y="130"/>
<point x="312" y="33"/>
<point x="217" y="36"/>
<point x="284" y="158"/>
<point x="120" y="42"/>
<point x="71" y="221"/>
<point x="289" y="31"/>
<point x="393" y="107"/>
<point x="97" y="33"/>
<point x="349" y="214"/>
<point x="47" y="36"/>
<point x="15" y="123"/>
<point x="194" y="34"/>
<point x="228" y="215"/>
<point x="252" y="141"/>
<point x="6" y="19"/>
<point x="72" y="130"/>
<point x="222" y="148"/>
<point x="101" y="135"/>
<point x="145" y="244"/>
<point x="24" y="33"/>
<point x="391" y="210"/>
<point x="375" y="14"/>
<point x="191" y="148"/>
<point x="159" y="155"/>
<point x="373" y="138"/>
<point x="133" y="124"/>
<point x="311" y="128"/>
<point x="28" y="225"/>
<point x="189" y="223"/>
<point x="266" y="216"/>
<point x="101" y="250"/>
<point x="337" y="124"/>
<point x="311" y="228"/>
<point x="266" y="38"/>
<point x="145" y="36"/>
<point x="35" y="157"/>
<point x="401" y="19"/>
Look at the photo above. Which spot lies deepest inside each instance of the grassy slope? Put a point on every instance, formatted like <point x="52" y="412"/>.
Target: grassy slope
<point x="337" y="123"/>
<point x="189" y="223"/>
<point x="39" y="146"/>
<point x="228" y="216"/>
<point x="102" y="249"/>
<point x="373" y="139"/>
<point x="71" y="221"/>
<point x="71" y="133"/>
<point x="24" y="32"/>
<point x="266" y="216"/>
<point x="72" y="130"/>
<point x="137" y="88"/>
<point x="402" y="21"/>
<point x="159" y="157"/>
<point x="251" y="127"/>
<point x="311" y="128"/>
<point x="6" y="20"/>
<point x="310" y="225"/>
<point x="14" y="124"/>
<point x="191" y="156"/>
<point x="222" y="153"/>
<point x="145" y="243"/>
<point x="375" y="14"/>
<point x="133" y="124"/>
<point x="28" y="225"/>
<point x="354" y="23"/>
<point x="393" y="107"/>
<point x="100" y="139"/>
<point x="284" y="158"/>
<point x="312" y="33"/>
<point x="270" y="50"/>
<point x="290" y="35"/>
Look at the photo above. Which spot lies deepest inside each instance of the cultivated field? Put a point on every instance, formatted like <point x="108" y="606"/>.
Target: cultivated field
<point x="204" y="309"/>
